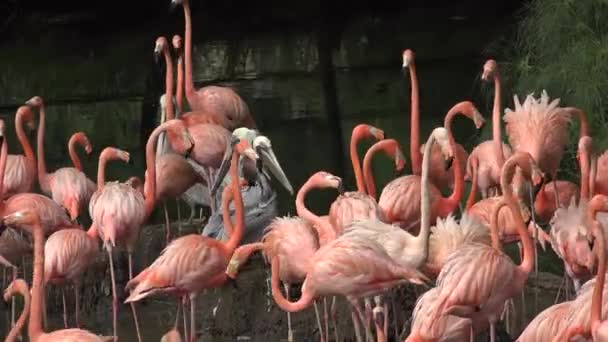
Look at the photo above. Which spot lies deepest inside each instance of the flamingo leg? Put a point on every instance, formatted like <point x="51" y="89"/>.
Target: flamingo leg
<point x="13" y="304"/>
<point x="535" y="240"/>
<point x="184" y="301"/>
<point x="179" y="217"/>
<point x="180" y="307"/>
<point x="326" y="318"/>
<point x="379" y="319"/>
<point x="386" y="316"/>
<point x="133" y="311"/>
<point x="192" y="317"/>
<point x="114" y="296"/>
<point x="77" y="302"/>
<point x="318" y="317"/>
<point x="65" y="309"/>
<point x="368" y="318"/>
<point x="332" y="317"/>
<point x="394" y="311"/>
<point x="523" y="291"/>
<point x="492" y="332"/>
<point x="167" y="223"/>
<point x="356" y="317"/>
<point x="289" y="331"/>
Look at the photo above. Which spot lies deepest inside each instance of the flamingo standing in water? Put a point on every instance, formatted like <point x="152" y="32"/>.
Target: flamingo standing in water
<point x="490" y="155"/>
<point x="21" y="168"/>
<point x="118" y="210"/>
<point x="192" y="263"/>
<point x="35" y="332"/>
<point x="399" y="198"/>
<point x="471" y="283"/>
<point x="68" y="186"/>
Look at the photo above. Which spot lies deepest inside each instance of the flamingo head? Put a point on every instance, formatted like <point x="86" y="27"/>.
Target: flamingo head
<point x="160" y="46"/>
<point x="243" y="147"/>
<point x="177" y="42"/>
<point x="489" y="68"/>
<point x="113" y="153"/>
<point x="34" y="102"/>
<point x="181" y="140"/>
<point x="323" y="179"/>
<point x="408" y="58"/>
<point x="22" y="218"/>
<point x="2" y="129"/>
<point x="175" y="3"/>
<point x="478" y="118"/>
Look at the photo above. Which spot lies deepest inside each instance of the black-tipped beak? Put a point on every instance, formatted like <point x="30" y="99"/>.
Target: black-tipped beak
<point x="172" y="6"/>
<point x="341" y="188"/>
<point x="157" y="55"/>
<point x="232" y="282"/>
<point x="130" y="162"/>
<point x="448" y="163"/>
<point x="189" y="151"/>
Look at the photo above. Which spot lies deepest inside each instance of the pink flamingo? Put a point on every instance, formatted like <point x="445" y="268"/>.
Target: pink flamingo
<point x="68" y="186"/>
<point x="399" y="198"/>
<point x="563" y="321"/>
<point x="21" y="169"/>
<point x="569" y="230"/>
<point x="174" y="175"/>
<point x="490" y="155"/>
<point x="78" y="138"/>
<point x="68" y="253"/>
<point x="450" y="327"/>
<point x="324" y="228"/>
<point x="601" y="178"/>
<point x="192" y="263"/>
<point x="471" y="283"/>
<point x="356" y="205"/>
<point x="544" y="203"/>
<point x="294" y="242"/>
<point x="541" y="129"/>
<point x="222" y="102"/>
<point x="409" y="63"/>
<point x="118" y="210"/>
<point x="586" y="311"/>
<point x="393" y="150"/>
<point x="35" y="332"/>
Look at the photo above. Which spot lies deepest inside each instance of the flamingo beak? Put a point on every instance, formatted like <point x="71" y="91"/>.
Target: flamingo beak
<point x="268" y="160"/>
<point x="173" y="5"/>
<point x="448" y="162"/>
<point x="340" y="187"/>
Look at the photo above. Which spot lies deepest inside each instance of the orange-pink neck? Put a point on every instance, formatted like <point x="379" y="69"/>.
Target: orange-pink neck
<point x="324" y="228"/>
<point x="415" y="122"/>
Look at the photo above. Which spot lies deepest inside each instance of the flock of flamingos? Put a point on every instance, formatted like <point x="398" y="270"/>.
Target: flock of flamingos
<point x="362" y="250"/>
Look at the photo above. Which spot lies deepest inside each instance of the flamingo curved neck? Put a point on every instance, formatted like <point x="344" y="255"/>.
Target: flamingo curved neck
<point x="72" y="151"/>
<point x="25" y="293"/>
<point x="415" y="122"/>
<point x="584" y="165"/>
<point x="494" y="224"/>
<point x="356" y="136"/>
<point x="237" y="235"/>
<point x="150" y="181"/>
<point x="25" y="143"/>
<point x="508" y="171"/>
<point x="179" y="91"/>
<point x="496" y="129"/>
<point x="323" y="227"/>
<point x="35" y="324"/>
<point x="596" y="302"/>
<point x="189" y="84"/>
<point x="101" y="173"/>
<point x="473" y="193"/>
<point x="226" y="198"/>
<point x="422" y="240"/>
<point x="278" y="297"/>
<point x="168" y="84"/>
<point x="3" y="157"/>
<point x="43" y="176"/>
<point x="368" y="177"/>
<point x="447" y="205"/>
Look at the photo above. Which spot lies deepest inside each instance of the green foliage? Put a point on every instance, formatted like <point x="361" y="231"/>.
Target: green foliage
<point x="562" y="46"/>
